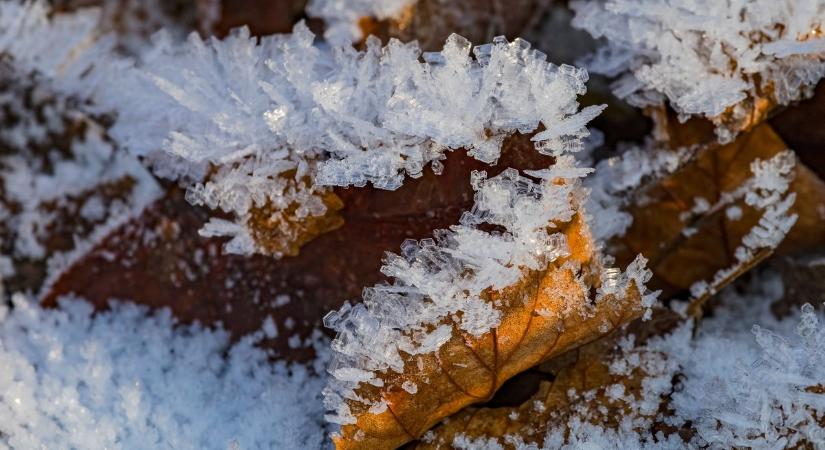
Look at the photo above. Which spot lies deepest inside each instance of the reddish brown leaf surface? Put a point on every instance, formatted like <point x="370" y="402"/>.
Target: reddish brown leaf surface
<point x="161" y="261"/>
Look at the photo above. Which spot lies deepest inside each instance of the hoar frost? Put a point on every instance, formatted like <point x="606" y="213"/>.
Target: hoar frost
<point x="249" y="123"/>
<point x="708" y="57"/>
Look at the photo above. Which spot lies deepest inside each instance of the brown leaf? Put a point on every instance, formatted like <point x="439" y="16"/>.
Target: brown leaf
<point x="545" y="314"/>
<point x="263" y="17"/>
<point x="159" y="259"/>
<point x="662" y="212"/>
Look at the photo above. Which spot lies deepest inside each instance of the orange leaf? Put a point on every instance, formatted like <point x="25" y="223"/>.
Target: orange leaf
<point x="546" y="312"/>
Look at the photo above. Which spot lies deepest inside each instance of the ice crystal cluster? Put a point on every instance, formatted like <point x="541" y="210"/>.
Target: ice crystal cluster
<point x="128" y="379"/>
<point x="245" y="123"/>
<point x="707" y="57"/>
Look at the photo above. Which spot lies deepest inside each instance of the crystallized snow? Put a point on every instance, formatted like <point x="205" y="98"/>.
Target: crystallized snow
<point x="128" y="379"/>
<point x="341" y="16"/>
<point x="438" y="283"/>
<point x="706" y="57"/>
<point x="261" y="117"/>
<point x="769" y="392"/>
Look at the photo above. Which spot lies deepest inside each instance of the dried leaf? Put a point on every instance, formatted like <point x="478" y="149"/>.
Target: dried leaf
<point x="687" y="242"/>
<point x="546" y="313"/>
<point x="576" y="387"/>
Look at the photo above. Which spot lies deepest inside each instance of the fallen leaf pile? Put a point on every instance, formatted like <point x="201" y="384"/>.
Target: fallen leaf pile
<point x="702" y="214"/>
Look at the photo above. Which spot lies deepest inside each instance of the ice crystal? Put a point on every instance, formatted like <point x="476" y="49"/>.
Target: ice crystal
<point x="125" y="379"/>
<point x="243" y="122"/>
<point x="708" y="57"/>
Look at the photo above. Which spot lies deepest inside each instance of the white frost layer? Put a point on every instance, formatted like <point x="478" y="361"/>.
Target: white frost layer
<point x="705" y="56"/>
<point x="128" y="379"/>
<point x="270" y="113"/>
<point x="438" y="283"/>
<point x="758" y="397"/>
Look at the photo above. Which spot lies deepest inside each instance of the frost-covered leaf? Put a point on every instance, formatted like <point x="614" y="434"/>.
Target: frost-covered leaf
<point x="600" y="384"/>
<point x="63" y="183"/>
<point x="473" y="308"/>
<point x="158" y="259"/>
<point x="728" y="61"/>
<point x="244" y="123"/>
<point x="718" y="210"/>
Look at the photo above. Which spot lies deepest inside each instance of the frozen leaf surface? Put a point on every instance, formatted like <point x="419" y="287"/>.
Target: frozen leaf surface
<point x="473" y="308"/>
